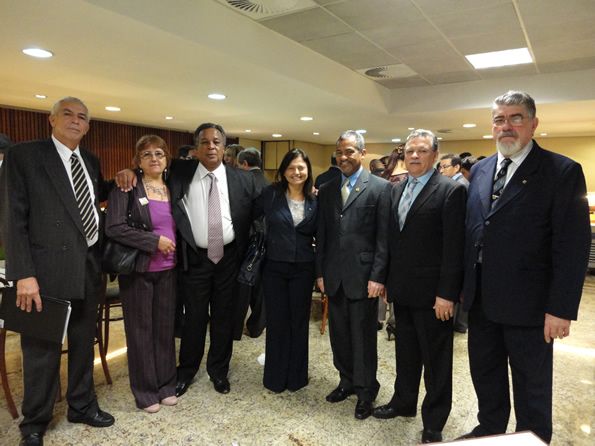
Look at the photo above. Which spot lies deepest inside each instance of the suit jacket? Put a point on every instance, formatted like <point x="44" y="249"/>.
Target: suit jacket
<point x="40" y="220"/>
<point x="463" y="181"/>
<point x="352" y="240"/>
<point x="116" y="225"/>
<point x="534" y="243"/>
<point x="242" y="193"/>
<point x="426" y="258"/>
<point x="286" y="242"/>
<point x="325" y="177"/>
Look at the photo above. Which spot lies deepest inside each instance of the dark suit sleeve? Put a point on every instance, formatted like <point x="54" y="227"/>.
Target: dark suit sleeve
<point x="453" y="244"/>
<point x="571" y="239"/>
<point x="383" y="207"/>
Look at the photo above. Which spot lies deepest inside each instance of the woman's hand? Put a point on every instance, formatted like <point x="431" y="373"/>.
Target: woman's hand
<point x="166" y="245"/>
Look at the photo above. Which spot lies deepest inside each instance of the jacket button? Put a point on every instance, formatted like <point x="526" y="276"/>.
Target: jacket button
<point x="487" y="223"/>
<point x="64" y="248"/>
<point x="57" y="222"/>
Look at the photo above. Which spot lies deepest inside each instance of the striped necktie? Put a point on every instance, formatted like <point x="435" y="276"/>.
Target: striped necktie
<point x="406" y="201"/>
<point x="83" y="197"/>
<point x="499" y="181"/>
<point x="215" y="226"/>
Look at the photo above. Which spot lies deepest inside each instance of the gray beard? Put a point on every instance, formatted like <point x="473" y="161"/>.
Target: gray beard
<point x="508" y="149"/>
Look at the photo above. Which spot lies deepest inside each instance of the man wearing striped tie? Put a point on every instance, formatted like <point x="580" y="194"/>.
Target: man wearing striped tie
<point x="50" y="191"/>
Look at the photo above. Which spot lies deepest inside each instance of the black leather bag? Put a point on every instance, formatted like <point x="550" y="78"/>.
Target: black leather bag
<point x="116" y="258"/>
<point x="253" y="259"/>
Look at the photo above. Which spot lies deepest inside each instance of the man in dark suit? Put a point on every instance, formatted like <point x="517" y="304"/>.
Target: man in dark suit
<point x="527" y="247"/>
<point x="213" y="240"/>
<point x="251" y="296"/>
<point x="450" y="166"/>
<point x="332" y="172"/>
<point x="52" y="248"/>
<point x="427" y="227"/>
<point x="351" y="263"/>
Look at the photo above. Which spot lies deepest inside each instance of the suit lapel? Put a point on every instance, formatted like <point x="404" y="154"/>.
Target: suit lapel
<point x="358" y="188"/>
<point x="56" y="171"/>
<point x="423" y="196"/>
<point x="485" y="181"/>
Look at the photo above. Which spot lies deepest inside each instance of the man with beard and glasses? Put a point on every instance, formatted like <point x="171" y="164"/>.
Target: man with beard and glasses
<point x="526" y="252"/>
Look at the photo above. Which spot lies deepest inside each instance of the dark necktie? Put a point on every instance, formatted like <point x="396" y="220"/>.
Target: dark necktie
<point x="215" y="225"/>
<point x="499" y="181"/>
<point x="406" y="201"/>
<point x="83" y="197"/>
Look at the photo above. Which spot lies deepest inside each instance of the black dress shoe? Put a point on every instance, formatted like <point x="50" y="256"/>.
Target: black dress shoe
<point x="380" y="325"/>
<point x="181" y="387"/>
<point x="387" y="412"/>
<point x="466" y="436"/>
<point x="34" y="439"/>
<point x="390" y="330"/>
<point x="363" y="409"/>
<point x="98" y="419"/>
<point x="338" y="395"/>
<point x="221" y="385"/>
<point x="431" y="436"/>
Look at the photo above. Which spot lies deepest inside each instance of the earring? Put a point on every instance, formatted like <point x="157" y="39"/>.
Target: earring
<point x="140" y="170"/>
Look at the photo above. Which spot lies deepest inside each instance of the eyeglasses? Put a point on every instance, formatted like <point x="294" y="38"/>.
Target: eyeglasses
<point x="444" y="166"/>
<point x="192" y="157"/>
<point x="513" y="120"/>
<point x="157" y="154"/>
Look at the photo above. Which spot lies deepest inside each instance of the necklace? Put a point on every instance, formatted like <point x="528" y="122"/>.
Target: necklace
<point x="157" y="190"/>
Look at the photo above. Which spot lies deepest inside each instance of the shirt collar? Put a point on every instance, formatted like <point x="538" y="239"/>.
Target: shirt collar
<point x="518" y="157"/>
<point x="353" y="178"/>
<point x="424" y="178"/>
<point x="219" y="172"/>
<point x="64" y="152"/>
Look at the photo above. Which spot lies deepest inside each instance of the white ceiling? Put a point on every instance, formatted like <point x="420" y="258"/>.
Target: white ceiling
<point x="157" y="58"/>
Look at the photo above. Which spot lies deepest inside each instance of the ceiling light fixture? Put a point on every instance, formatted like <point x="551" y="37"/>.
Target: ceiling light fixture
<point x="306" y="118"/>
<point x="410" y="128"/>
<point x="543" y="134"/>
<point x="469" y="126"/>
<point x="169" y="117"/>
<point x="38" y="52"/>
<point x="500" y="58"/>
<point x="248" y="131"/>
<point x="487" y="136"/>
<point x="113" y="108"/>
<point x="361" y="131"/>
<point x="316" y="133"/>
<point x="217" y="96"/>
<point x="277" y="135"/>
<point x="41" y="96"/>
<point x="396" y="140"/>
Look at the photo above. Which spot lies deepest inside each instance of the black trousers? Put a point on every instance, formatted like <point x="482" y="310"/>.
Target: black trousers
<point x="250" y="297"/>
<point x="492" y="347"/>
<point x="148" y="305"/>
<point x="288" y="297"/>
<point x="210" y="297"/>
<point x="423" y="341"/>
<point x="41" y="359"/>
<point x="353" y="329"/>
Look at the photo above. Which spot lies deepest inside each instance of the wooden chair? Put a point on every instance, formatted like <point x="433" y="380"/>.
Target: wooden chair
<point x="109" y="299"/>
<point x="11" y="406"/>
<point x="319" y="296"/>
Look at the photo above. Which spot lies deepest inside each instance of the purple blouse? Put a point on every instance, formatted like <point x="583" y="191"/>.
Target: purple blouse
<point x="163" y="224"/>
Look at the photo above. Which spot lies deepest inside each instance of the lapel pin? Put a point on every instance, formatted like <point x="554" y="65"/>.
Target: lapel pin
<point x="143" y="200"/>
<point x="357" y="189"/>
<point x="524" y="181"/>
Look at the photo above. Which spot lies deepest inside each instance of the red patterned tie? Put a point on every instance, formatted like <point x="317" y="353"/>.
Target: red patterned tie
<point x="215" y="226"/>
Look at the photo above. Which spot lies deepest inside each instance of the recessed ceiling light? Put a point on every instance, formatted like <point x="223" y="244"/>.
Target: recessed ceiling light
<point x="277" y="135"/>
<point x="217" y="96"/>
<point x="306" y="118"/>
<point x="316" y="133"/>
<point x="361" y="131"/>
<point x="487" y="136"/>
<point x="113" y="108"/>
<point x="410" y="128"/>
<point x="38" y="52"/>
<point x="169" y="117"/>
<point x="543" y="134"/>
<point x="439" y="138"/>
<point x="396" y="140"/>
<point x="248" y="131"/>
<point x="500" y="58"/>
<point x="469" y="126"/>
<point x="41" y="96"/>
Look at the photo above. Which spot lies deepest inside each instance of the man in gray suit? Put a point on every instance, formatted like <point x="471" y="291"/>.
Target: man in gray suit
<point x="352" y="256"/>
<point x="450" y="166"/>
<point x="49" y="217"/>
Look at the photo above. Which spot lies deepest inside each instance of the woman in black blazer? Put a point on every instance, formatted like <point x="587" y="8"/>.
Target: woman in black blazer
<point x="148" y="294"/>
<point x="288" y="276"/>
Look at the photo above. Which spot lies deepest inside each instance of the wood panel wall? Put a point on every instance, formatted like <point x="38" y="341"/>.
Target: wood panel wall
<point x="113" y="142"/>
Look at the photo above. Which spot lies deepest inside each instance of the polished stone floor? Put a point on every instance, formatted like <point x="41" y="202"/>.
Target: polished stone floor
<point x="252" y="415"/>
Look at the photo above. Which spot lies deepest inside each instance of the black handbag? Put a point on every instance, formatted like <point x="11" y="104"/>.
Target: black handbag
<point x="253" y="259"/>
<point x="117" y="258"/>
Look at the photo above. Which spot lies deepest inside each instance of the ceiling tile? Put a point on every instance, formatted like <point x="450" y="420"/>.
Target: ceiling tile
<point x="452" y="77"/>
<point x="434" y="8"/>
<point x="558" y="52"/>
<point x="417" y="31"/>
<point x="406" y="82"/>
<point x="547" y="12"/>
<point x="342" y="45"/>
<point x="568" y="65"/>
<point x="489" y="19"/>
<point x="510" y="71"/>
<point x="368" y="60"/>
<point x="369" y="14"/>
<point x="306" y="25"/>
<point x="485" y="43"/>
<point x="431" y="58"/>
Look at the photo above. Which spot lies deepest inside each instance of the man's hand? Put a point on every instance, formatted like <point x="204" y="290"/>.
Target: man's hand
<point x="384" y="296"/>
<point x="27" y="293"/>
<point x="320" y="283"/>
<point x="555" y="327"/>
<point x="125" y="179"/>
<point x="444" y="308"/>
<point x="375" y="289"/>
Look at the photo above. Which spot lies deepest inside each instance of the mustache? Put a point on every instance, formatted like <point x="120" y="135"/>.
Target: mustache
<point x="505" y="134"/>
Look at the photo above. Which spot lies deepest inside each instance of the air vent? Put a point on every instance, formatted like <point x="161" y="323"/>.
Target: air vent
<point x="444" y="131"/>
<point x="396" y="71"/>
<point x="265" y="9"/>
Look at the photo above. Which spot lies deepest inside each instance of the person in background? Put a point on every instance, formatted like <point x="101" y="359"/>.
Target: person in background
<point x="5" y="143"/>
<point x="187" y="152"/>
<point x="289" y="207"/>
<point x="231" y="153"/>
<point x="396" y="170"/>
<point x="332" y="172"/>
<point x="50" y="190"/>
<point x="466" y="164"/>
<point x="376" y="167"/>
<point x="251" y="296"/>
<point x="148" y="294"/>
<point x="450" y="166"/>
<point x="527" y="248"/>
<point x="351" y="266"/>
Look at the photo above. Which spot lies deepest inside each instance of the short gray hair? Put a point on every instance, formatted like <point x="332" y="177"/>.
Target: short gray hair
<point x="57" y="105"/>
<point x="421" y="133"/>
<point x="359" y="139"/>
<point x="516" y="98"/>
